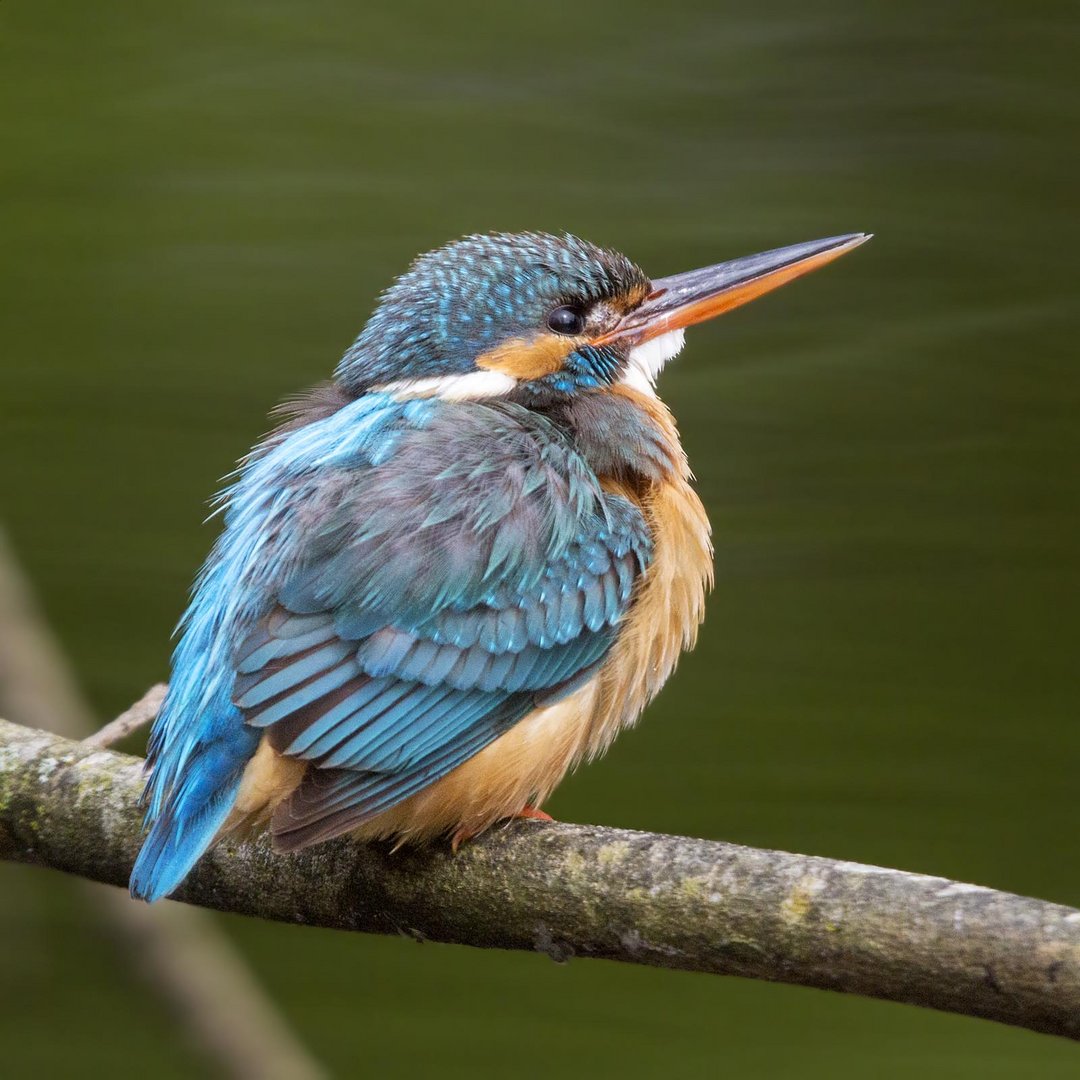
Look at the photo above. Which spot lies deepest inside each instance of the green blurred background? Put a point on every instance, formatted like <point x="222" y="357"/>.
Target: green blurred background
<point x="200" y="202"/>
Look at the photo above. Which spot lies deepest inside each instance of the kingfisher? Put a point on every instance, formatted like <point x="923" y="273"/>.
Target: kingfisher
<point x="455" y="571"/>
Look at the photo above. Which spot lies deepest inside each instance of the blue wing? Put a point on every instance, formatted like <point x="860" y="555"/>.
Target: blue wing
<point x="396" y="585"/>
<point x="478" y="573"/>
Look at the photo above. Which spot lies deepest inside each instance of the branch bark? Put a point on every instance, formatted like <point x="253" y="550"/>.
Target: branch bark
<point x="130" y="720"/>
<point x="569" y="890"/>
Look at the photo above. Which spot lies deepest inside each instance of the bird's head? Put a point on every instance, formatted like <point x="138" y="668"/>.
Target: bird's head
<point x="541" y="317"/>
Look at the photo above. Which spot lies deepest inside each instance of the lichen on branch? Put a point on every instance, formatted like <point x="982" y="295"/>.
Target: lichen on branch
<point x="582" y="890"/>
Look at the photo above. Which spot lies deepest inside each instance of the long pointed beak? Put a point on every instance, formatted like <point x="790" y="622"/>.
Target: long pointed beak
<point x="684" y="299"/>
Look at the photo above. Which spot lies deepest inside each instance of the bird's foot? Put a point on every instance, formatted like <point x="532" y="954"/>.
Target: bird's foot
<point x="533" y="813"/>
<point x="463" y="834"/>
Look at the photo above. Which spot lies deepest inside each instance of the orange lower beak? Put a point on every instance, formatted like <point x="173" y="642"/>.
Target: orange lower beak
<point x="684" y="299"/>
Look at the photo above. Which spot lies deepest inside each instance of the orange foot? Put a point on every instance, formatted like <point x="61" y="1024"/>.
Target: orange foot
<point x="465" y="833"/>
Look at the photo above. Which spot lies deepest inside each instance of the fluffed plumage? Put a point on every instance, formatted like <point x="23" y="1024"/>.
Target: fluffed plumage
<point x="453" y="573"/>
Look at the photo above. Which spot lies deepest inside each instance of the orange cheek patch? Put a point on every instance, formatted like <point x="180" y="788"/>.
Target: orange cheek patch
<point x="529" y="358"/>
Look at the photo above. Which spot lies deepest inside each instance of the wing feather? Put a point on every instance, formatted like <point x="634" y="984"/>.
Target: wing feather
<point x="436" y="605"/>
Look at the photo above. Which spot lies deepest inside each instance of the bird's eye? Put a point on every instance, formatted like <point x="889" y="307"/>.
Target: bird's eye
<point x="566" y="320"/>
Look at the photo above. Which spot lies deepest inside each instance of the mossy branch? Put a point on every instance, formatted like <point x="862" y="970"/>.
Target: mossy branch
<point x="580" y="890"/>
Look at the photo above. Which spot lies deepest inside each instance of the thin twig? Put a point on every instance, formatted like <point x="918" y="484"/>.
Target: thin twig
<point x="130" y="720"/>
<point x="566" y="890"/>
<point x="216" y="1002"/>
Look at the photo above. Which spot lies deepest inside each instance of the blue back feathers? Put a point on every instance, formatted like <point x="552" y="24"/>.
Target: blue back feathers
<point x="397" y="583"/>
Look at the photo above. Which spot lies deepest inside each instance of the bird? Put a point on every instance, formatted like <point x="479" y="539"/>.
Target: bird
<point x="456" y="570"/>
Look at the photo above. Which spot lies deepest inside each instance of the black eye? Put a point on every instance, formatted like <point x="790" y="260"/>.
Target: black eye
<point x="566" y="320"/>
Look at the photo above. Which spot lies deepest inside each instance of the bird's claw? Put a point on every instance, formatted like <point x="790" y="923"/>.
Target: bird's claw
<point x="532" y="813"/>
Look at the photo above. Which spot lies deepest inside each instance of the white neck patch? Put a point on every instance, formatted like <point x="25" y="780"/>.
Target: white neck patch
<point x="472" y="386"/>
<point x="647" y="360"/>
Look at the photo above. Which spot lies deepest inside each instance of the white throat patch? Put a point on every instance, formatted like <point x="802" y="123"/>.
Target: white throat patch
<point x="646" y="361"/>
<point x="472" y="386"/>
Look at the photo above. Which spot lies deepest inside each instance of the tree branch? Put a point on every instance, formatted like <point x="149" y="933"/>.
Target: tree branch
<point x="130" y="720"/>
<point x="569" y="890"/>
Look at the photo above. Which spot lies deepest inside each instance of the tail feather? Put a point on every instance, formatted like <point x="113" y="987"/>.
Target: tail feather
<point x="193" y="813"/>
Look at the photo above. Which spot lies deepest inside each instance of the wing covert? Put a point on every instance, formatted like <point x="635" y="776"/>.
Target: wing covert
<point x="478" y="572"/>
